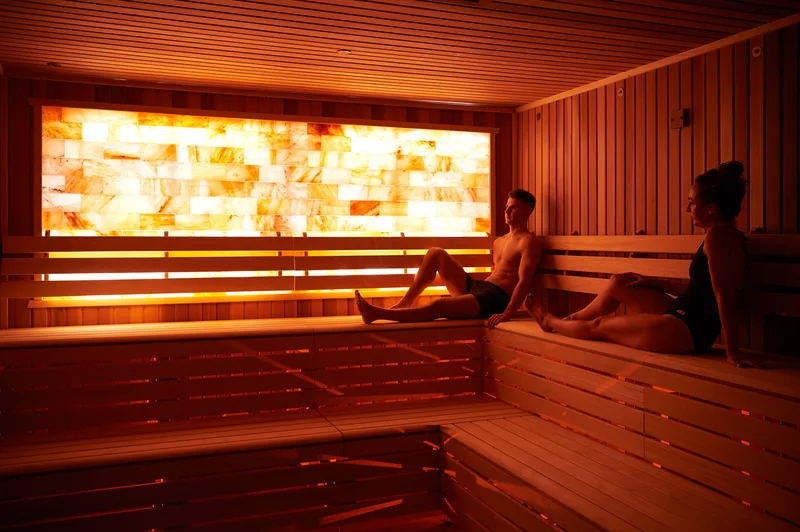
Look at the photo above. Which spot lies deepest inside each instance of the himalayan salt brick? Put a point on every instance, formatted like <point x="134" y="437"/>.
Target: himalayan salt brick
<point x="84" y="185"/>
<point x="273" y="207"/>
<point x="315" y="159"/>
<point x="475" y="210"/>
<point x="53" y="220"/>
<point x="66" y="167"/>
<point x="226" y="123"/>
<point x="468" y="166"/>
<point x="133" y="133"/>
<point x="451" y="179"/>
<point x="159" y="152"/>
<point x="118" y="222"/>
<point x="289" y="158"/>
<point x="418" y="147"/>
<point x="274" y="141"/>
<point x="291" y="224"/>
<point x="302" y="174"/>
<point x="350" y="224"/>
<point x="53" y="147"/>
<point x="330" y="159"/>
<point x="381" y="161"/>
<point x="420" y="178"/>
<point x="365" y="208"/>
<point x="397" y="178"/>
<point x="62" y="130"/>
<point x="207" y="171"/>
<point x="354" y="161"/>
<point x="352" y="192"/>
<point x="236" y="137"/>
<point x="92" y="150"/>
<point x="157" y="221"/>
<point x="409" y="194"/>
<point x="141" y="169"/>
<point x="484" y="225"/>
<point x="330" y="130"/>
<point x="336" y="144"/>
<point x="205" y="205"/>
<point x="410" y="224"/>
<point x="121" y="150"/>
<point x="367" y="177"/>
<point x="260" y="190"/>
<point x="274" y="174"/>
<point x="450" y="225"/>
<point x="482" y="180"/>
<point x="334" y="208"/>
<point x="194" y="222"/>
<point x="423" y="209"/>
<point x="205" y="137"/>
<point x="448" y="210"/>
<point x="153" y="119"/>
<point x="240" y="205"/>
<point x="336" y="176"/>
<point x="190" y="121"/>
<point x="125" y="186"/>
<point x="484" y="165"/>
<point x="482" y="195"/>
<point x="90" y="204"/>
<point x="185" y="154"/>
<point x="257" y="156"/>
<point x="322" y="223"/>
<point x="296" y="191"/>
<point x="410" y="162"/>
<point x="240" y="172"/>
<point x="53" y="114"/>
<point x="305" y="142"/>
<point x="264" y="223"/>
<point x="171" y="205"/>
<point x="113" y="117"/>
<point x="166" y="187"/>
<point x="393" y="209"/>
<point x="53" y="183"/>
<point x="61" y="202"/>
<point x="72" y="149"/>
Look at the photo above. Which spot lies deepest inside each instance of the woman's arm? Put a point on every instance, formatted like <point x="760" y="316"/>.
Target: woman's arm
<point x="726" y="256"/>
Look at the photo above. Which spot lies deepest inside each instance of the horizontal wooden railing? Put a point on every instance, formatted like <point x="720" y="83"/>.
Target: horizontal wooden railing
<point x="285" y="263"/>
<point x="773" y="264"/>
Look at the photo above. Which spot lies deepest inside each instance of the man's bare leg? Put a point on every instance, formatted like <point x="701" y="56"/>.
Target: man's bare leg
<point x="457" y="307"/>
<point x="437" y="260"/>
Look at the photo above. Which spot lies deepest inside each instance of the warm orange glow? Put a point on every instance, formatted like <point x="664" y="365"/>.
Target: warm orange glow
<point x="129" y="173"/>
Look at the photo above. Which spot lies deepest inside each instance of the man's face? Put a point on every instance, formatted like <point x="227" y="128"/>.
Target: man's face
<point x="517" y="212"/>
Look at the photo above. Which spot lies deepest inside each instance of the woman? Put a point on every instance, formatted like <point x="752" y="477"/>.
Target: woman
<point x="691" y="322"/>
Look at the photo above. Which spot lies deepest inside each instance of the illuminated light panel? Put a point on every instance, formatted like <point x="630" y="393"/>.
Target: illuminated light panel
<point x="124" y="173"/>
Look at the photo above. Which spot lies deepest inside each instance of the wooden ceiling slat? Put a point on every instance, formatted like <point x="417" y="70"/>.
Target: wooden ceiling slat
<point x="658" y="7"/>
<point x="20" y="39"/>
<point x="559" y="53"/>
<point x="620" y="12"/>
<point x="503" y="52"/>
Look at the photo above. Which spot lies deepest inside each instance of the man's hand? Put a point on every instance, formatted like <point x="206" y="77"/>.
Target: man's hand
<point x="497" y="319"/>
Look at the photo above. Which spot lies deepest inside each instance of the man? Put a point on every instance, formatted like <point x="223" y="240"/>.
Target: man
<point x="515" y="258"/>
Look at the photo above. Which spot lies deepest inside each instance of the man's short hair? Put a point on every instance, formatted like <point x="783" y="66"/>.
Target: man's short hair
<point x="524" y="196"/>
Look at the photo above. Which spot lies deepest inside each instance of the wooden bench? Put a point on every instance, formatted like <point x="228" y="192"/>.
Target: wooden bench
<point x="314" y="423"/>
<point x="621" y="439"/>
<point x="583" y="264"/>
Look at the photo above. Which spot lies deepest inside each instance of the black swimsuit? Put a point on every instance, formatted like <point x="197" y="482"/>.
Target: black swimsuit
<point x="491" y="298"/>
<point x="697" y="308"/>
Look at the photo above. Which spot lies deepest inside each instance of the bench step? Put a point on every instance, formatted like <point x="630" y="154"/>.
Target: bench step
<point x="547" y="474"/>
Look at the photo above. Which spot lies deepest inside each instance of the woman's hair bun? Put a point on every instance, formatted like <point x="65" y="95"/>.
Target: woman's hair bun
<point x="725" y="186"/>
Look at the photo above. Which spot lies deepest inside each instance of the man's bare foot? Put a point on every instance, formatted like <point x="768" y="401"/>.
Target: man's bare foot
<point x="537" y="312"/>
<point x="366" y="310"/>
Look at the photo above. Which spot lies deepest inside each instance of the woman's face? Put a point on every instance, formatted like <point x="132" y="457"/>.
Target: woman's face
<point x="701" y="214"/>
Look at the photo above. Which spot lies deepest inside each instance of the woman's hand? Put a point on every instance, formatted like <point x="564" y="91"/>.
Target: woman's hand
<point x="637" y="279"/>
<point x="740" y="362"/>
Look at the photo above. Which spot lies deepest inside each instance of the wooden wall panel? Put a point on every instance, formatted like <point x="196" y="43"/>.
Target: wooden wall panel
<point x="743" y="104"/>
<point x="21" y="144"/>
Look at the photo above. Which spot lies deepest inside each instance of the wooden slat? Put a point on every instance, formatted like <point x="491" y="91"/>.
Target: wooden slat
<point x="468" y="504"/>
<point x="677" y="269"/>
<point x="649" y="244"/>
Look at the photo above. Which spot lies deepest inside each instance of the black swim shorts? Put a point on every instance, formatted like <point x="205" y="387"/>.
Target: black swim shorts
<point x="491" y="298"/>
<point x="704" y="331"/>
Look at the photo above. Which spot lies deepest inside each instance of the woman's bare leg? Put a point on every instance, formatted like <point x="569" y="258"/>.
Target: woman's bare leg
<point x="661" y="333"/>
<point x="639" y="299"/>
<point x="437" y="260"/>
<point x="456" y="307"/>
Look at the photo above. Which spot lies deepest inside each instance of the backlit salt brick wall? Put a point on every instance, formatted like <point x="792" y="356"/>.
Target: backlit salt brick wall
<point x="131" y="173"/>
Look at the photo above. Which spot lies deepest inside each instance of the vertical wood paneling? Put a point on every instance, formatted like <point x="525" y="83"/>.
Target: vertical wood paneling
<point x="640" y="169"/>
<point x="789" y="131"/>
<point x="21" y="188"/>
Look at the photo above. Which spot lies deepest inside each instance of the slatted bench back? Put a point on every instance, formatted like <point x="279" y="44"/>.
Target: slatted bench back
<point x="165" y="265"/>
<point x="572" y="263"/>
<point x="735" y="431"/>
<point x="77" y="378"/>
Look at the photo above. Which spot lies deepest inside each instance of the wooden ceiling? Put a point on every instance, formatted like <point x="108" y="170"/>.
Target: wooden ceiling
<point x="470" y="51"/>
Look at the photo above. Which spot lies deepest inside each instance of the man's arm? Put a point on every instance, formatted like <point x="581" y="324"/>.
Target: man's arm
<point x="528" y="263"/>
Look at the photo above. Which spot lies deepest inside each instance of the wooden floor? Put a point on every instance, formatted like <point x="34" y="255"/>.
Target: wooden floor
<point x="579" y="484"/>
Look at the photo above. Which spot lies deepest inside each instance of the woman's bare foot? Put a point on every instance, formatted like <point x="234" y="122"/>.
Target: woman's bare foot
<point x="537" y="312"/>
<point x="399" y="305"/>
<point x="366" y="310"/>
